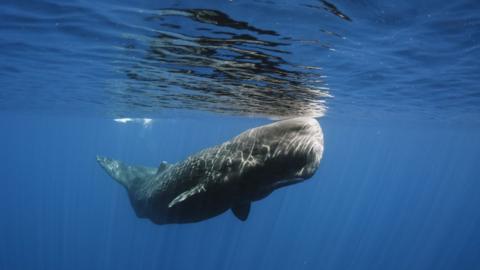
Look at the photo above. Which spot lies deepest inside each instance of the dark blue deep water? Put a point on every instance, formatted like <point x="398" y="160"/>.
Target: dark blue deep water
<point x="395" y="86"/>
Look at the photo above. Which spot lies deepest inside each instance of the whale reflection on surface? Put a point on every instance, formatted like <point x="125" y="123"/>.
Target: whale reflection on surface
<point x="203" y="59"/>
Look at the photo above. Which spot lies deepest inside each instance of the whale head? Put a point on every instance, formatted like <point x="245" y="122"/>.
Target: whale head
<point x="288" y="152"/>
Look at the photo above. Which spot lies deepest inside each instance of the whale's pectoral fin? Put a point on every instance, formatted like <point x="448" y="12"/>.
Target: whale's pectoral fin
<point x="187" y="194"/>
<point x="241" y="211"/>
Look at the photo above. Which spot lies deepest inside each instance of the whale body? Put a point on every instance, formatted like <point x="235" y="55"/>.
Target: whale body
<point x="231" y="175"/>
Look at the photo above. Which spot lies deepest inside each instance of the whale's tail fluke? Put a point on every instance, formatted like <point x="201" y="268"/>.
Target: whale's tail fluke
<point x="130" y="177"/>
<point x="124" y="174"/>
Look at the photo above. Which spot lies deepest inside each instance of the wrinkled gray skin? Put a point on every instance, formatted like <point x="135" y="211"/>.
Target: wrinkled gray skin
<point x="228" y="176"/>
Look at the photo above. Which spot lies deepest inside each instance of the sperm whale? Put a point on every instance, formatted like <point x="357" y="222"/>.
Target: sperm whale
<point x="231" y="175"/>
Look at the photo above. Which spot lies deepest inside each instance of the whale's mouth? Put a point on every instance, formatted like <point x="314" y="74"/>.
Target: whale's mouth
<point x="287" y="182"/>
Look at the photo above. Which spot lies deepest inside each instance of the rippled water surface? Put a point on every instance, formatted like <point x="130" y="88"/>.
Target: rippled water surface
<point x="352" y="59"/>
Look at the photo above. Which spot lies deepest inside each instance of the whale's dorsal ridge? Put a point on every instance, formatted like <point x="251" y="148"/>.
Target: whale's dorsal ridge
<point x="187" y="195"/>
<point x="241" y="211"/>
<point x="163" y="166"/>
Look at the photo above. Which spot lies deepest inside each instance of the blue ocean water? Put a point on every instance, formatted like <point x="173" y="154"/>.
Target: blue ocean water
<point x="394" y="85"/>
